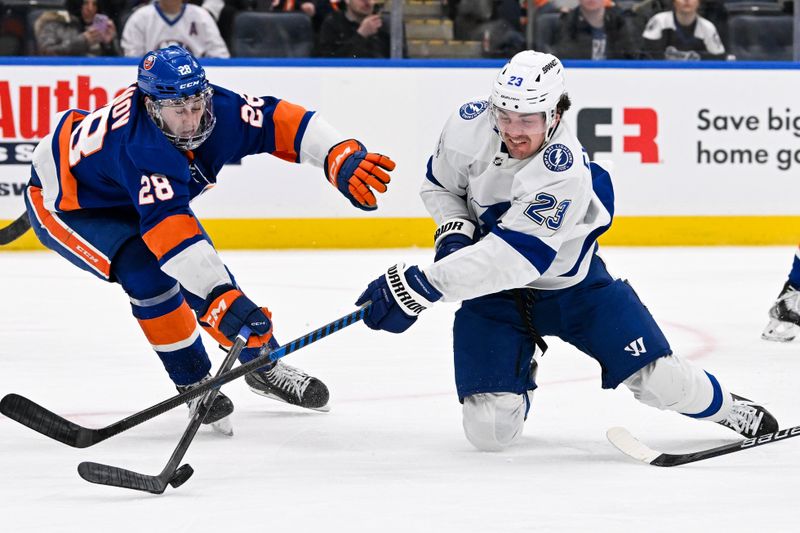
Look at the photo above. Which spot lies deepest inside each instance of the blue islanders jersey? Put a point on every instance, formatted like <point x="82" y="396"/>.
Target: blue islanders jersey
<point x="116" y="156"/>
<point x="539" y="218"/>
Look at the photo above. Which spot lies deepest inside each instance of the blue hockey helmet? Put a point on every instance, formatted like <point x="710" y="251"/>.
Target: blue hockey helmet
<point x="172" y="78"/>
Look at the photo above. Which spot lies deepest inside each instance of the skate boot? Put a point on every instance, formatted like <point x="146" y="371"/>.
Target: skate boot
<point x="291" y="385"/>
<point x="749" y="419"/>
<point x="219" y="414"/>
<point x="784" y="317"/>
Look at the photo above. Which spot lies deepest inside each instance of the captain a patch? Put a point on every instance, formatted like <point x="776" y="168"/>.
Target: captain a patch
<point x="557" y="157"/>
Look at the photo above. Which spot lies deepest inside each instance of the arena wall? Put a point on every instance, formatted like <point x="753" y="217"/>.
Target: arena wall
<point x="704" y="155"/>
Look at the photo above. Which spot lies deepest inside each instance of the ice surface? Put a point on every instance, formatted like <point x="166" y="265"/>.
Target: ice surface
<point x="391" y="456"/>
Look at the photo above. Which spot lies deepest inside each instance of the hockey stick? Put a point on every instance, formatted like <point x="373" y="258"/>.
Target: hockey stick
<point x="15" y="230"/>
<point x="171" y="474"/>
<point x="622" y="439"/>
<point x="56" y="427"/>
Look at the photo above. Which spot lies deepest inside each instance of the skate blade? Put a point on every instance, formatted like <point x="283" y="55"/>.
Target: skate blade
<point x="778" y="331"/>
<point x="223" y="426"/>
<point x="324" y="409"/>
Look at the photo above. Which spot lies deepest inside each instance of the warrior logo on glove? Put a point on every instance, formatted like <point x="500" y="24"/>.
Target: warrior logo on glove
<point x="356" y="173"/>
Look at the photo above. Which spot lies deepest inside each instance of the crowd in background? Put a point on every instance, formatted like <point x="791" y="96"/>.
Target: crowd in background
<point x="576" y="29"/>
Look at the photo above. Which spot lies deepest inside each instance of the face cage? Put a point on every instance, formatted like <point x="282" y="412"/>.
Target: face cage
<point x="207" y="122"/>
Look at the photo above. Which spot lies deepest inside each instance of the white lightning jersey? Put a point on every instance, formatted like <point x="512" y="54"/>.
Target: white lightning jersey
<point x="539" y="217"/>
<point x="148" y="28"/>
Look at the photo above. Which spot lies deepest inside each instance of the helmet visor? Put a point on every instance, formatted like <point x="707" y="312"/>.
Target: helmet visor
<point x="518" y="123"/>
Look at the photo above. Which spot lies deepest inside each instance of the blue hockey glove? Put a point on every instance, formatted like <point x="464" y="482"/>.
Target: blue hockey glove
<point x="356" y="172"/>
<point x="226" y="310"/>
<point x="452" y="235"/>
<point x="397" y="298"/>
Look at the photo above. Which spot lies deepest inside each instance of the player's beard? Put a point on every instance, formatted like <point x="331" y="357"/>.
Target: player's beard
<point x="522" y="146"/>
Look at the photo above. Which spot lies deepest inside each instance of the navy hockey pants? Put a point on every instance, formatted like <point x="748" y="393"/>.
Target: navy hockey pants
<point x="601" y="316"/>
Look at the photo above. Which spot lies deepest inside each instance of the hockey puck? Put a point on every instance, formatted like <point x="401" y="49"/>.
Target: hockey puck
<point x="181" y="475"/>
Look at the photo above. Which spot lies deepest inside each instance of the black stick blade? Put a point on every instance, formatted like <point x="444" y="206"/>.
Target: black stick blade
<point x="119" y="477"/>
<point x="15" y="230"/>
<point x="46" y="422"/>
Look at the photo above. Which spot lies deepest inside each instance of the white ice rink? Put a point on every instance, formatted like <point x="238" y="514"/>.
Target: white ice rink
<point x="391" y="455"/>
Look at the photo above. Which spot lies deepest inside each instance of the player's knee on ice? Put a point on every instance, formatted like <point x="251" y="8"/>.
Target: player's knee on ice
<point x="670" y="383"/>
<point x="492" y="421"/>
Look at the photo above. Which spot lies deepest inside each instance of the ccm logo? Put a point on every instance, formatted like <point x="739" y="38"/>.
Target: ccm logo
<point x="644" y="144"/>
<point x="214" y="314"/>
<point x="190" y="84"/>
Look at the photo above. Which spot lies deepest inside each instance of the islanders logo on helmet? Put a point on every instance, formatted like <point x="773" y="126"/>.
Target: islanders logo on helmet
<point x="171" y="72"/>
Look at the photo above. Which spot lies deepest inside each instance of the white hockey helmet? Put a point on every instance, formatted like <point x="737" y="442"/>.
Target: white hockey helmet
<point x="531" y="82"/>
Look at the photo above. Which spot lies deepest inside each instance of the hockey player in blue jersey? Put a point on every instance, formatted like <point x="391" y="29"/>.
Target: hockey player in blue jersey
<point x="784" y="315"/>
<point x="519" y="208"/>
<point x="110" y="192"/>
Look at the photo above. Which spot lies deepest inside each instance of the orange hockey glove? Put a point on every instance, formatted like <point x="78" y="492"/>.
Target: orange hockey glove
<point x="356" y="173"/>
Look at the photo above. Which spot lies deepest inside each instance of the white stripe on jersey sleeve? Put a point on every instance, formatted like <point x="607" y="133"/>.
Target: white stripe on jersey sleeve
<point x="318" y="139"/>
<point x="706" y="31"/>
<point x="198" y="268"/>
<point x="45" y="165"/>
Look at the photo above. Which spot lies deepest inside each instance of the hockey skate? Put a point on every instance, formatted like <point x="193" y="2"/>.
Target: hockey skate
<point x="749" y="419"/>
<point x="219" y="414"/>
<point x="291" y="385"/>
<point x="784" y="317"/>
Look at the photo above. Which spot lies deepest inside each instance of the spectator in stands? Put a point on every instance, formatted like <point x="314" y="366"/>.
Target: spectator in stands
<point x="166" y="22"/>
<point x="316" y="10"/>
<point x="682" y="34"/>
<point x="594" y="31"/>
<point x="306" y="6"/>
<point x="80" y="30"/>
<point x="358" y="31"/>
<point x="12" y="33"/>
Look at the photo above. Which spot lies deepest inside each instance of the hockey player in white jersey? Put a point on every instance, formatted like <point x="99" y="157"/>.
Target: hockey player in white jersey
<point x="784" y="315"/>
<point x="167" y="22"/>
<point x="519" y="208"/>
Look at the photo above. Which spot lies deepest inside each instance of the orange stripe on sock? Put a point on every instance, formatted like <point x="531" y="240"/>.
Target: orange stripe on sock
<point x="68" y="238"/>
<point x="170" y="232"/>
<point x="286" y="119"/>
<point x="69" y="185"/>
<point x="175" y="326"/>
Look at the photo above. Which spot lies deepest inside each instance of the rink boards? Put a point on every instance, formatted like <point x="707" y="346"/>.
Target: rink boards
<point x="702" y="155"/>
